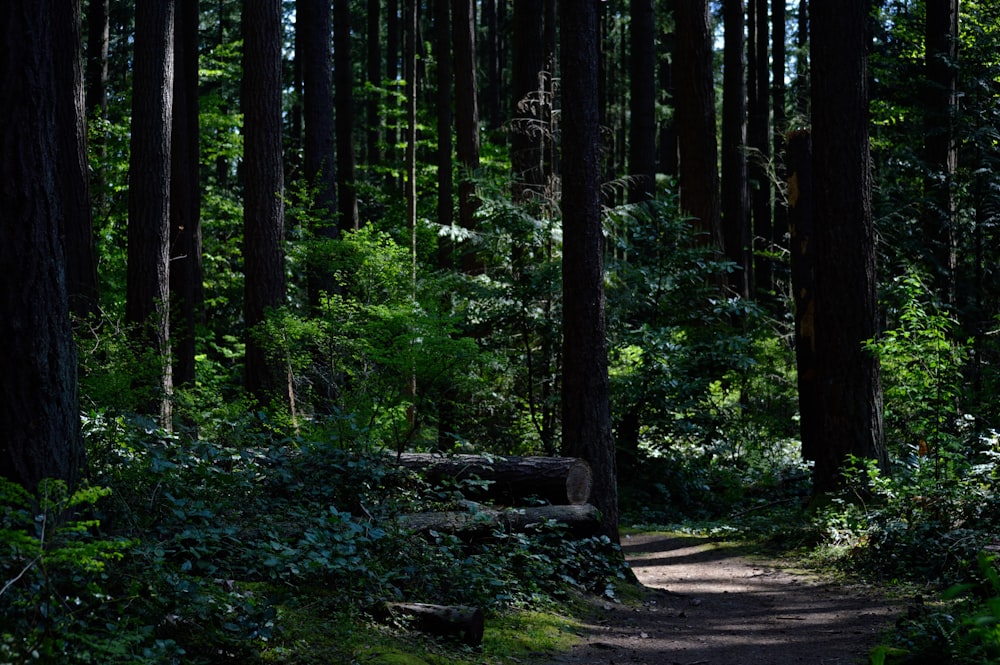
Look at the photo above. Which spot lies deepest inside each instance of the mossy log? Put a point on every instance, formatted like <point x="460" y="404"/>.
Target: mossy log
<point x="581" y="520"/>
<point x="457" y="622"/>
<point x="558" y="480"/>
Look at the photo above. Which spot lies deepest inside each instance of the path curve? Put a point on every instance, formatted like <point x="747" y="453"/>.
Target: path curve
<point x="708" y="605"/>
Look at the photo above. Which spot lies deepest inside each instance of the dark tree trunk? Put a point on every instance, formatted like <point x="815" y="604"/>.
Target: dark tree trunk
<point x="699" y="175"/>
<point x="802" y="85"/>
<point x="528" y="61"/>
<point x="98" y="39"/>
<point x="453" y="621"/>
<point x="77" y="225"/>
<point x="586" y="415"/>
<point x="759" y="140"/>
<point x="446" y="189"/>
<point x="39" y="411"/>
<point x="491" y="65"/>
<point x="313" y="32"/>
<point x="347" y="195"/>
<point x="185" y="202"/>
<point x="940" y="144"/>
<point x="802" y="250"/>
<point x="779" y="119"/>
<point x="373" y="130"/>
<point x="466" y="122"/>
<point x="148" y="277"/>
<point x="558" y="480"/>
<point x="392" y="55"/>
<point x="846" y="308"/>
<point x="263" y="205"/>
<point x="735" y="188"/>
<point x="642" y="126"/>
<point x="668" y="128"/>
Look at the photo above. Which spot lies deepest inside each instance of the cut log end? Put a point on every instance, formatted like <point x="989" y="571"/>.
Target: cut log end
<point x="458" y="622"/>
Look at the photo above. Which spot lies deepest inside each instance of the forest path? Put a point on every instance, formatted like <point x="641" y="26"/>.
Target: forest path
<point x="711" y="605"/>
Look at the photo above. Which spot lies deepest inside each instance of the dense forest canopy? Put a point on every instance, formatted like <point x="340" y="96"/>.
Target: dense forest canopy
<point x="704" y="246"/>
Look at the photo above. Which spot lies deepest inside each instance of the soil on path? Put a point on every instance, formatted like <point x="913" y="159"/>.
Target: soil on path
<point x="708" y="605"/>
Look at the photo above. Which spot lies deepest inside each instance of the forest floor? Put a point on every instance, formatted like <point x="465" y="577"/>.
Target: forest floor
<point x="710" y="603"/>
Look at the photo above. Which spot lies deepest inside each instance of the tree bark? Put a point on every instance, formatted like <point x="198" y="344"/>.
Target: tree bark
<point x="846" y="308"/>
<point x="759" y="140"/>
<point x="581" y="520"/>
<point x="39" y="411"/>
<point x="313" y="34"/>
<point x="735" y="188"/>
<point x="802" y="250"/>
<point x="373" y="124"/>
<point x="148" y="277"/>
<point x="696" y="127"/>
<point x="668" y="128"/>
<point x="528" y="62"/>
<point x="445" y="164"/>
<point x="466" y="123"/>
<point x="454" y="621"/>
<point x="347" y="195"/>
<point x="185" y="202"/>
<point x="77" y="227"/>
<point x="558" y="480"/>
<point x="642" y="125"/>
<point x="940" y="101"/>
<point x="263" y="205"/>
<point x="586" y="411"/>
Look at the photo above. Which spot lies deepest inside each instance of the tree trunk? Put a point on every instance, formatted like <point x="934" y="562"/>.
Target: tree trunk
<point x="39" y="411"/>
<point x="735" y="188"/>
<point x="491" y="65"/>
<point x="313" y="33"/>
<point x="446" y="190"/>
<point x="802" y="250"/>
<point x="846" y="309"/>
<point x="668" y="128"/>
<point x="185" y="201"/>
<point x="453" y="621"/>
<point x="347" y="195"/>
<point x="77" y="224"/>
<point x="699" y="174"/>
<point x="528" y="62"/>
<point x="466" y="123"/>
<point x="580" y="520"/>
<point x="586" y="411"/>
<point x="98" y="39"/>
<point x="558" y="480"/>
<point x="759" y="139"/>
<point x="148" y="277"/>
<point x="373" y="122"/>
<point x="941" y="145"/>
<point x="779" y="124"/>
<point x="263" y="205"/>
<point x="642" y="125"/>
<point x="802" y="85"/>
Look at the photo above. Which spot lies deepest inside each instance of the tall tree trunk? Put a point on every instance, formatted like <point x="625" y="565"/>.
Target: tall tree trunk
<point x="846" y="307"/>
<point x="347" y="195"/>
<point x="699" y="175"/>
<point x="642" y="125"/>
<point x="313" y="33"/>
<point x="528" y="62"/>
<point x="392" y="53"/>
<point x="735" y="188"/>
<point x="373" y="121"/>
<point x="779" y="117"/>
<point x="759" y="139"/>
<point x="98" y="40"/>
<point x="466" y="122"/>
<point x="39" y="410"/>
<point x="446" y="189"/>
<point x="491" y="65"/>
<point x="940" y="144"/>
<point x="263" y="204"/>
<point x="148" y="278"/>
<point x="586" y="407"/>
<point x="78" y="230"/>
<point x="802" y="94"/>
<point x="802" y="250"/>
<point x="668" y="127"/>
<point x="185" y="201"/>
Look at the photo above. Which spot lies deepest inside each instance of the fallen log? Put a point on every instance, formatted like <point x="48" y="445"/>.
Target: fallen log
<point x="453" y="621"/>
<point x="581" y="520"/>
<point x="558" y="480"/>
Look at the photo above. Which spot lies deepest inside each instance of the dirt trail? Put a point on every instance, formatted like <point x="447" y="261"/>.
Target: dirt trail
<point x="710" y="606"/>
